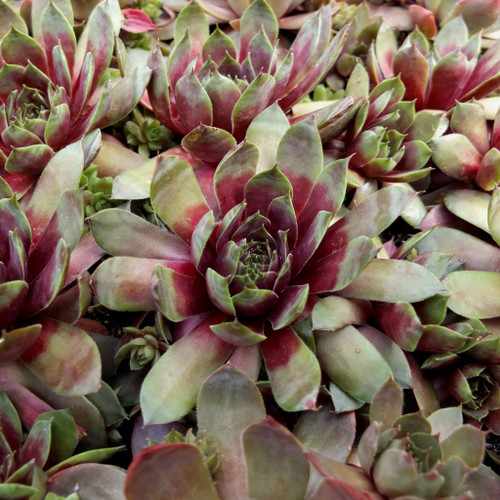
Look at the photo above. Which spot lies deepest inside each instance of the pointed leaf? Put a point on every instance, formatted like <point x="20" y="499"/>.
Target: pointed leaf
<point x="140" y="239"/>
<point x="456" y="156"/>
<point x="254" y="99"/>
<point x="178" y="295"/>
<point x="292" y="368"/>
<point x="393" y="281"/>
<point x="387" y="405"/>
<point x="232" y="175"/>
<point x="177" y="197"/>
<point x="331" y="434"/>
<point x="266" y="131"/>
<point x="300" y="157"/>
<point x="55" y="179"/>
<point x="170" y="389"/>
<point x="208" y="143"/>
<point x="369" y="218"/>
<point x="193" y="103"/>
<point x="336" y="271"/>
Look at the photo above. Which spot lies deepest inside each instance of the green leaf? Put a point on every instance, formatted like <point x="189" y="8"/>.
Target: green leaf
<point x="177" y="197"/>
<point x="170" y="389"/>
<point x="64" y="434"/>
<point x="470" y="205"/>
<point x="393" y="281"/>
<point x="139" y="239"/>
<point x="467" y="442"/>
<point x="276" y="464"/>
<point x="227" y="404"/>
<point x="300" y="157"/>
<point x="65" y="358"/>
<point x="292" y="368"/>
<point x="474" y="294"/>
<point x="494" y="215"/>
<point x="338" y="351"/>
<point x="332" y="313"/>
<point x="387" y="405"/>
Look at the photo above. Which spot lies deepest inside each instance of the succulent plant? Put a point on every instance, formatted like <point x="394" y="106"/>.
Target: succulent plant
<point x="470" y="150"/>
<point x="258" y="457"/>
<point x="436" y="75"/>
<point x="52" y="89"/>
<point x="208" y="81"/>
<point x="388" y="141"/>
<point x="247" y="256"/>
<point x="30" y="460"/>
<point x="414" y="456"/>
<point x="230" y="10"/>
<point x="37" y="262"/>
<point x="141" y="346"/>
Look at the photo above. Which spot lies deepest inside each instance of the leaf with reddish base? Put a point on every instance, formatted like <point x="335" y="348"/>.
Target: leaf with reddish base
<point x="124" y="283"/>
<point x="338" y="270"/>
<point x="300" y="158"/>
<point x="327" y="194"/>
<point x="169" y="472"/>
<point x="228" y="403"/>
<point x="369" y="218"/>
<point x="12" y="299"/>
<point x="292" y="368"/>
<point x="232" y="175"/>
<point x="413" y="68"/>
<point x="256" y="98"/>
<point x="177" y="197"/>
<point x="137" y="21"/>
<point x="65" y="358"/>
<point x="179" y="296"/>
<point x="170" y="389"/>
<point x="37" y="444"/>
<point x="14" y="343"/>
<point x="54" y="181"/>
<point x="66" y="223"/>
<point x="208" y="143"/>
<point x="276" y="464"/>
<point x="401" y="323"/>
<point x="10" y="424"/>
<point x="85" y="255"/>
<point x="47" y="284"/>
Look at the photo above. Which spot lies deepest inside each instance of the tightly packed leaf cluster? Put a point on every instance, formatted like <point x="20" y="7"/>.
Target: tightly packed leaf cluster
<point x="249" y="249"/>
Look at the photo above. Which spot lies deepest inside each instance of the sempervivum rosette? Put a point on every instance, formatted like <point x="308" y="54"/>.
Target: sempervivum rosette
<point x="436" y="76"/>
<point x="208" y="80"/>
<point x="251" y="247"/>
<point x="51" y="92"/>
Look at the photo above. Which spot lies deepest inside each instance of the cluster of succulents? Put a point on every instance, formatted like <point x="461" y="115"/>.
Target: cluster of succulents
<point x="249" y="249"/>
